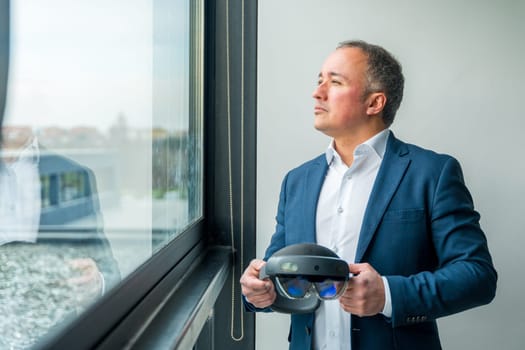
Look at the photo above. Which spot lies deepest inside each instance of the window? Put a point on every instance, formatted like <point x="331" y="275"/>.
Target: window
<point x="72" y="186"/>
<point x="45" y="191"/>
<point x="102" y="160"/>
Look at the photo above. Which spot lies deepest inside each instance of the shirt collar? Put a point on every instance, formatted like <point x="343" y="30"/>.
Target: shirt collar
<point x="376" y="142"/>
<point x="31" y="151"/>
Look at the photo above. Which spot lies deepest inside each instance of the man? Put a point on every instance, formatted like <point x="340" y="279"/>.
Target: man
<point x="50" y="199"/>
<point x="400" y="215"/>
<point x="54" y="255"/>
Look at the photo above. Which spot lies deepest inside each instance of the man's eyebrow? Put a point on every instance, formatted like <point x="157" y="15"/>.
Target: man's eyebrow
<point x="333" y="74"/>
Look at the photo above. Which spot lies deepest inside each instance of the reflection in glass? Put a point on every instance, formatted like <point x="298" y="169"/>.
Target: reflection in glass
<point x="49" y="271"/>
<point x="71" y="186"/>
<point x="176" y="133"/>
<point x="101" y="160"/>
<point x="45" y="191"/>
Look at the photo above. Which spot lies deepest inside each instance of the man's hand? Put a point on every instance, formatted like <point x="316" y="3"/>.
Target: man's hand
<point x="260" y="293"/>
<point x="89" y="281"/>
<point x="365" y="293"/>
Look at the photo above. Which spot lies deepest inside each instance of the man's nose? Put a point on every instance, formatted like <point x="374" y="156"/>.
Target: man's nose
<point x="319" y="92"/>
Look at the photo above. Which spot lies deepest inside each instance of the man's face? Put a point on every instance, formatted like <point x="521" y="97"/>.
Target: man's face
<point x="340" y="107"/>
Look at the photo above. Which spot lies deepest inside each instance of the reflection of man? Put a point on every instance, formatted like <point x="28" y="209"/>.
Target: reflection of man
<point x="50" y="216"/>
<point x="80" y="217"/>
<point x="33" y="209"/>
<point x="401" y="213"/>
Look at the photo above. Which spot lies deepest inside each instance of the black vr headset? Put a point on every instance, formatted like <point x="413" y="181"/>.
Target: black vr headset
<point x="303" y="275"/>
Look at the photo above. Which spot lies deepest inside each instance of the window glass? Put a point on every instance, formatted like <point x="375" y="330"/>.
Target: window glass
<point x="101" y="158"/>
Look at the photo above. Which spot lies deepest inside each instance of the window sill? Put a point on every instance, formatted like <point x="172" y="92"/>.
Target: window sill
<point x="174" y="313"/>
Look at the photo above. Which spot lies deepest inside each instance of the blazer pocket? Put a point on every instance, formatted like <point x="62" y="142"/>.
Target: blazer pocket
<point x="404" y="215"/>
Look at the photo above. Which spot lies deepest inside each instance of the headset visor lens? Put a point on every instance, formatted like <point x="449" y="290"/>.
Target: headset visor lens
<point x="330" y="289"/>
<point x="298" y="287"/>
<point x="294" y="287"/>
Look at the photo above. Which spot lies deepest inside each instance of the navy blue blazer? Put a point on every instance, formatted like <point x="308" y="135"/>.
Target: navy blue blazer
<point x="56" y="217"/>
<point x="420" y="231"/>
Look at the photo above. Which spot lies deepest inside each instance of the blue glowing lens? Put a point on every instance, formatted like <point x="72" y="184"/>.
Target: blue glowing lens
<point x="329" y="289"/>
<point x="296" y="287"/>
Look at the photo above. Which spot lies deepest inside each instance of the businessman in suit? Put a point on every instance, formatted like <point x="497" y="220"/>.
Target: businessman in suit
<point x="399" y="214"/>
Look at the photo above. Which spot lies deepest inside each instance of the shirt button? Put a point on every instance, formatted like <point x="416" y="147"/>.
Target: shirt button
<point x="332" y="333"/>
<point x="339" y="210"/>
<point x="349" y="177"/>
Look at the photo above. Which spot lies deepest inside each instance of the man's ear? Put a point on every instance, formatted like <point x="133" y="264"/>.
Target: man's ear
<point x="376" y="103"/>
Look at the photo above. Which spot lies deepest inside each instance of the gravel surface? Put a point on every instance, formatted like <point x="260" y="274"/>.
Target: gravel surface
<point x="35" y="296"/>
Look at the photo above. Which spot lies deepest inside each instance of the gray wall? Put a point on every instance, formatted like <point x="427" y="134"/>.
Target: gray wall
<point x="464" y="70"/>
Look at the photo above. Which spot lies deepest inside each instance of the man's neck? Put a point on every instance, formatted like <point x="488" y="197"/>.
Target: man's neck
<point x="11" y="150"/>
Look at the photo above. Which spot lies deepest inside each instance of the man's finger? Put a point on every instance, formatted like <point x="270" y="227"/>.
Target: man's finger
<point x="257" y="264"/>
<point x="356" y="269"/>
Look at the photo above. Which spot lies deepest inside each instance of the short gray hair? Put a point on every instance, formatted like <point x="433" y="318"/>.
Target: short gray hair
<point x="384" y="73"/>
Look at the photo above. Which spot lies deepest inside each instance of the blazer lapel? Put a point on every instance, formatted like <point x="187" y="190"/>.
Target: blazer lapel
<point x="312" y="188"/>
<point x="390" y="173"/>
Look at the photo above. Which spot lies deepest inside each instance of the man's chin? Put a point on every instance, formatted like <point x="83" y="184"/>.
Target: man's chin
<point x="319" y="125"/>
<point x="321" y="128"/>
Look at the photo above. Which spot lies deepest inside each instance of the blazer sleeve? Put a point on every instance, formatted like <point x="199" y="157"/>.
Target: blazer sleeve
<point x="277" y="241"/>
<point x="102" y="252"/>
<point x="465" y="276"/>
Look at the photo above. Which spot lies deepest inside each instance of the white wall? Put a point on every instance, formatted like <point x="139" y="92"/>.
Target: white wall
<point x="465" y="85"/>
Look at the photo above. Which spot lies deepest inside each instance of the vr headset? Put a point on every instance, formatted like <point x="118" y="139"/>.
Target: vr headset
<point x="303" y="275"/>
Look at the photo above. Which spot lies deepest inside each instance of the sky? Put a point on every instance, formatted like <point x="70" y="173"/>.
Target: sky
<point x="86" y="62"/>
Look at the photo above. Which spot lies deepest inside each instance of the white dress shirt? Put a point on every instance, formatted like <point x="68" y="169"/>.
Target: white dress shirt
<point x="20" y="198"/>
<point x="340" y="211"/>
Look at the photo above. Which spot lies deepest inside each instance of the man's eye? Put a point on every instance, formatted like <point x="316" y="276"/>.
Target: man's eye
<point x="336" y="82"/>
